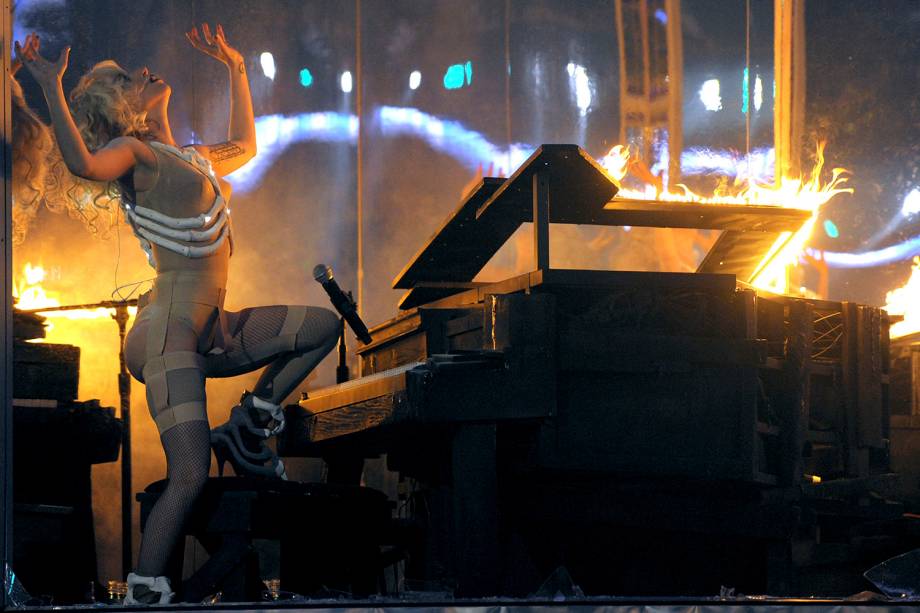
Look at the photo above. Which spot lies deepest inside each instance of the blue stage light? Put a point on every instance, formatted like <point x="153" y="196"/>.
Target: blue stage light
<point x="745" y="95"/>
<point x="306" y="77"/>
<point x="458" y="75"/>
<point x="868" y="259"/>
<point x="453" y="78"/>
<point x="830" y="228"/>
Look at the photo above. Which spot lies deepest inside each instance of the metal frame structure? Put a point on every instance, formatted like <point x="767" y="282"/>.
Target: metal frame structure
<point x="651" y="78"/>
<point x="789" y="68"/>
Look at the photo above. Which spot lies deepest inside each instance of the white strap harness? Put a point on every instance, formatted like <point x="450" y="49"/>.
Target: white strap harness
<point x="206" y="232"/>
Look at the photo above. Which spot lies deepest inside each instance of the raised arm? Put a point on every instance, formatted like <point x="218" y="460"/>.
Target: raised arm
<point x="108" y="163"/>
<point x="240" y="146"/>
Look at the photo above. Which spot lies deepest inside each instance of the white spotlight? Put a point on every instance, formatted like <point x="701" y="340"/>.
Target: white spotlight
<point x="758" y="93"/>
<point x="911" y="203"/>
<point x="268" y="65"/>
<point x="346" y="81"/>
<point x="710" y="95"/>
<point x="580" y="85"/>
<point x="415" y="79"/>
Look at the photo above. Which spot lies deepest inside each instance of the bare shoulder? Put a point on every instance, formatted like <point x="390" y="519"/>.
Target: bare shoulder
<point x="145" y="161"/>
<point x="142" y="153"/>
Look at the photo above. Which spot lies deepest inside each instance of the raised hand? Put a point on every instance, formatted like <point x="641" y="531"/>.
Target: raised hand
<point x="215" y="45"/>
<point x="31" y="45"/>
<point x="46" y="73"/>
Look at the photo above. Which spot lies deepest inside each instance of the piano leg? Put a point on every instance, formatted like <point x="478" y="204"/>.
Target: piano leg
<point x="475" y="510"/>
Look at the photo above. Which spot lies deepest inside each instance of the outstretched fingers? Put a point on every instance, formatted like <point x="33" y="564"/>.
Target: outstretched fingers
<point x="205" y="46"/>
<point x="221" y="40"/>
<point x="63" y="59"/>
<point x="27" y="51"/>
<point x="206" y="30"/>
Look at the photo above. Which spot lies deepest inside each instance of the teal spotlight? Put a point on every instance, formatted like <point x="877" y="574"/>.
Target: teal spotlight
<point x="830" y="228"/>
<point x="454" y="77"/>
<point x="306" y="77"/>
<point x="745" y="94"/>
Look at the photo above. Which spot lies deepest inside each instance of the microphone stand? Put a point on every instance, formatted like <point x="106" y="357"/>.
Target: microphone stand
<point x="341" y="468"/>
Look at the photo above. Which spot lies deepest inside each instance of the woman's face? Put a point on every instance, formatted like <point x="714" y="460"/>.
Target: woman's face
<point x="149" y="88"/>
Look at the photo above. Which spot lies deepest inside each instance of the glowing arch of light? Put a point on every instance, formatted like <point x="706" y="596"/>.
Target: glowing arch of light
<point x="869" y="259"/>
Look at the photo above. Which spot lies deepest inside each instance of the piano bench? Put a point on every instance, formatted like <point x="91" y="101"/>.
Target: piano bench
<point x="330" y="537"/>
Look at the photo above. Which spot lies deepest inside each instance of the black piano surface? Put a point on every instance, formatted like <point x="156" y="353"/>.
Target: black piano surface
<point x="617" y="423"/>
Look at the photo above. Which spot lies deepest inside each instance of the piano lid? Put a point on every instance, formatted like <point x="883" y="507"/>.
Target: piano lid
<point x="581" y="192"/>
<point x="486" y="219"/>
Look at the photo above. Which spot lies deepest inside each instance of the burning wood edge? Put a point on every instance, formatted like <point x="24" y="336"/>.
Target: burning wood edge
<point x="639" y="202"/>
<point x="105" y="304"/>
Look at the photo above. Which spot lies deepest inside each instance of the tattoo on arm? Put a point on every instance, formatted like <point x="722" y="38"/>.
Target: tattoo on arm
<point x="225" y="151"/>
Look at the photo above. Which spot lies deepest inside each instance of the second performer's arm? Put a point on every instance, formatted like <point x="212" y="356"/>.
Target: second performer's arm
<point x="240" y="146"/>
<point x="116" y="158"/>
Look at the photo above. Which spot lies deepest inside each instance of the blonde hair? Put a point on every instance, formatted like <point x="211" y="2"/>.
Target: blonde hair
<point x="103" y="108"/>
<point x="32" y="144"/>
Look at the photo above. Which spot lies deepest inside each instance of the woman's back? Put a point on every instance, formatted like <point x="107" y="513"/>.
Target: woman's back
<point x="184" y="189"/>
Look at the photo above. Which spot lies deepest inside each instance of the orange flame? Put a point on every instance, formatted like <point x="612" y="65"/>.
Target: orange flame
<point x="902" y="301"/>
<point x="30" y="295"/>
<point x="807" y="192"/>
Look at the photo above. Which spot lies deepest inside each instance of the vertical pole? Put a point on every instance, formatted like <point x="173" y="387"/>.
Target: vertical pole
<point x="675" y="90"/>
<point x="624" y="83"/>
<point x="508" y="84"/>
<point x="789" y="73"/>
<point x="747" y="83"/>
<point x="648" y="131"/>
<point x="6" y="325"/>
<point x="541" y="221"/>
<point x="124" y="396"/>
<point x="359" y="176"/>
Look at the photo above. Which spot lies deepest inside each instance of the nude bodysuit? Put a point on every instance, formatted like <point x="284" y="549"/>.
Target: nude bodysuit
<point x="184" y="334"/>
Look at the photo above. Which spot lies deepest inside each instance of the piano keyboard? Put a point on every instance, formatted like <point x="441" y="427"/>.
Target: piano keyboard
<point x="358" y="390"/>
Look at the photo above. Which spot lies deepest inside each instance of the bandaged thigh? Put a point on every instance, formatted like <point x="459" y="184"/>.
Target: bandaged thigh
<point x="307" y="328"/>
<point x="175" y="388"/>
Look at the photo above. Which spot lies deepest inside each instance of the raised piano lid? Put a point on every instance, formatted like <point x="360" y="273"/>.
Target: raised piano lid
<point x="581" y="192"/>
<point x="488" y="217"/>
<point x="459" y="249"/>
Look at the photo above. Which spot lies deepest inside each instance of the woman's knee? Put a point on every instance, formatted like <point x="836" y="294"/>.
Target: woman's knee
<point x="189" y="479"/>
<point x="321" y="327"/>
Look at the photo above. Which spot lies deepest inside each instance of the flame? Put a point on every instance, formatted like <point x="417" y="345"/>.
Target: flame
<point x="900" y="300"/>
<point x="808" y="193"/>
<point x="30" y="295"/>
<point x="616" y="162"/>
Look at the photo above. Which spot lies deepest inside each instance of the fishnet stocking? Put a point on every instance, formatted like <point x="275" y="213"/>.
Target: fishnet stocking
<point x="188" y="458"/>
<point x="255" y="326"/>
<point x="255" y="343"/>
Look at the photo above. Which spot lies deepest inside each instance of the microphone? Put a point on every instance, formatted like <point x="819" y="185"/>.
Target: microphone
<point x="342" y="302"/>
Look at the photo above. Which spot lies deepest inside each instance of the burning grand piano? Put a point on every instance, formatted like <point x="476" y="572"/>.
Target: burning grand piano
<point x="653" y="432"/>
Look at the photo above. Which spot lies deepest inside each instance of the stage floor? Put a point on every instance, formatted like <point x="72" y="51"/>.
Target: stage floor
<point x="861" y="602"/>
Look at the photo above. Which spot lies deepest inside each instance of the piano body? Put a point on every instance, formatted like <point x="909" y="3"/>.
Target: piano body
<point x="554" y="417"/>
